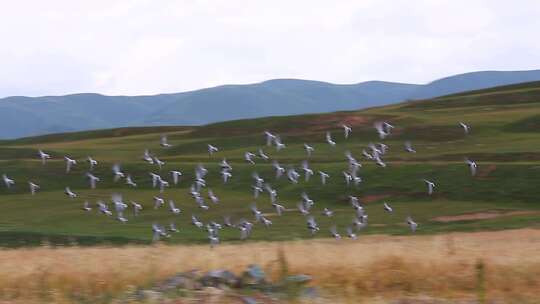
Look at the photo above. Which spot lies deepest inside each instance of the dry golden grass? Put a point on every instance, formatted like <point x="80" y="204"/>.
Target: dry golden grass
<point x="374" y="266"/>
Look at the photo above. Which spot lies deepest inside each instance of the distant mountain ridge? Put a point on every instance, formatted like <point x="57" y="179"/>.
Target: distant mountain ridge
<point x="26" y="116"/>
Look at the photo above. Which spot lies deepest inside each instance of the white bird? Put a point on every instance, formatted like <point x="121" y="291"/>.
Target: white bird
<point x="351" y="234"/>
<point x="225" y="175"/>
<point x="269" y="138"/>
<point x="309" y="149"/>
<point x="409" y="148"/>
<point x="86" y="206"/>
<point x="258" y="180"/>
<point x="69" y="163"/>
<point x="130" y="182"/>
<point x="271" y="192"/>
<point x="327" y="212"/>
<point x="347" y="130"/>
<point x="312" y="225"/>
<point x="472" y="166"/>
<point x="329" y="139"/>
<point x="256" y="212"/>
<point x="387" y="207"/>
<point x="334" y="233"/>
<point x="248" y="156"/>
<point x="148" y="157"/>
<point x="172" y="227"/>
<point x="324" y="176"/>
<point x="279" y="170"/>
<point x="158" y="232"/>
<point x="103" y="208"/>
<point x="227" y="222"/>
<point x="225" y="165"/>
<point x="91" y="162"/>
<point x="256" y="191"/>
<point x="162" y="185"/>
<point x="119" y="206"/>
<point x="200" y="201"/>
<point x="212" y="149"/>
<point x="348" y="178"/>
<point x="430" y="186"/>
<point x="159" y="162"/>
<point x="173" y="208"/>
<point x="164" y="142"/>
<point x="383" y="129"/>
<point x="92" y="179"/>
<point x="8" y="182"/>
<point x="213" y="198"/>
<point x="293" y="176"/>
<point x="196" y="222"/>
<point x="136" y="208"/>
<point x="465" y="127"/>
<point x="33" y="187"/>
<point x="69" y="193"/>
<point x="302" y="208"/>
<point x="118" y="174"/>
<point x="307" y="171"/>
<point x="366" y="154"/>
<point x="158" y="202"/>
<point x="412" y="224"/>
<point x="44" y="156"/>
<point x="279" y="208"/>
<point x="263" y="155"/>
<point x="279" y="144"/>
<point x="266" y="222"/>
<point x="155" y="179"/>
<point x="308" y="201"/>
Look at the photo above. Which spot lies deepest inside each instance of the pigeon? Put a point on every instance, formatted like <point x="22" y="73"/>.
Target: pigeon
<point x="86" y="206"/>
<point x="430" y="186"/>
<point x="351" y="234"/>
<point x="158" y="202"/>
<point x="158" y="232"/>
<point x="258" y="180"/>
<point x="7" y="181"/>
<point x="33" y="188"/>
<point x="43" y="156"/>
<point x="279" y="208"/>
<point x="69" y="163"/>
<point x="225" y="175"/>
<point x="307" y="171"/>
<point x="279" y="145"/>
<point x="103" y="208"/>
<point x="213" y="198"/>
<point x="225" y="165"/>
<point x="413" y="225"/>
<point x="136" y="208"/>
<point x="227" y="222"/>
<point x="347" y="130"/>
<point x="173" y="208"/>
<point x="130" y="182"/>
<point x="159" y="162"/>
<point x="329" y="139"/>
<point x="387" y="207"/>
<point x="309" y="149"/>
<point x="334" y="233"/>
<point x="172" y="227"/>
<point x="69" y="193"/>
<point x="148" y="157"/>
<point x="312" y="225"/>
<point x="465" y="127"/>
<point x="279" y="170"/>
<point x="263" y="155"/>
<point x="302" y="209"/>
<point x="271" y="192"/>
<point x="91" y="162"/>
<point x="248" y="156"/>
<point x="155" y="179"/>
<point x="164" y="142"/>
<point x="327" y="212"/>
<point x="118" y="174"/>
<point x="409" y="148"/>
<point x="196" y="222"/>
<point x="92" y="179"/>
<point x="212" y="149"/>
<point x="269" y="138"/>
<point x="472" y="166"/>
<point x="324" y="177"/>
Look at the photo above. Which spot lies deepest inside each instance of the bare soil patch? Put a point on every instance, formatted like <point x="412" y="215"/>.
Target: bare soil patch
<point x="481" y="215"/>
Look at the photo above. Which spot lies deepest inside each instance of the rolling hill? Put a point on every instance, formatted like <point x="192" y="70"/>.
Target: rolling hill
<point x="26" y="116"/>
<point x="503" y="140"/>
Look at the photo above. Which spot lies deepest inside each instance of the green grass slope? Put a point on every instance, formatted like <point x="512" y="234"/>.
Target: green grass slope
<point x="503" y="140"/>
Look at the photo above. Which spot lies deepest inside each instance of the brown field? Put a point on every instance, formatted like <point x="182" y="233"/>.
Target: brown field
<point x="373" y="269"/>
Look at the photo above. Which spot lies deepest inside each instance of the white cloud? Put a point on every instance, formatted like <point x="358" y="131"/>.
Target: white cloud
<point x="145" y="47"/>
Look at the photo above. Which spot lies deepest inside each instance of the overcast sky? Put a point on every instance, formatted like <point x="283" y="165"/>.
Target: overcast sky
<point x="147" y="47"/>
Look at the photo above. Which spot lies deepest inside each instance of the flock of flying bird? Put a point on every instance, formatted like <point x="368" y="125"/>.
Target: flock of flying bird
<point x="375" y="153"/>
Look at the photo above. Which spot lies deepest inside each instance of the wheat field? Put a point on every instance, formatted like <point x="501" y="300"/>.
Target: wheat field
<point x="372" y="268"/>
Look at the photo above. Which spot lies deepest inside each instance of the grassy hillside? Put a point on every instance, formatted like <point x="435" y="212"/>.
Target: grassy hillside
<point x="503" y="140"/>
